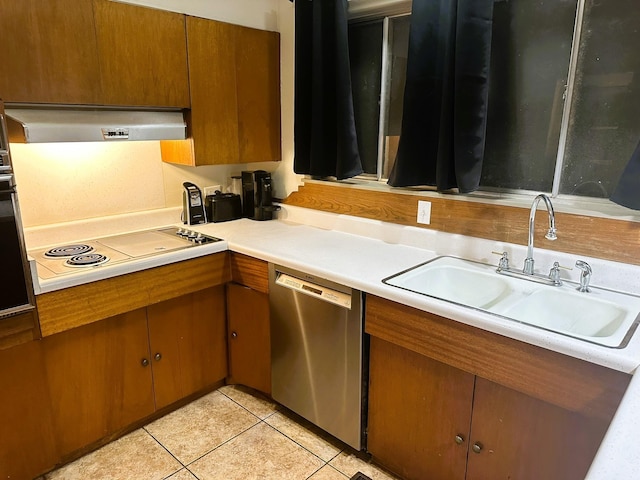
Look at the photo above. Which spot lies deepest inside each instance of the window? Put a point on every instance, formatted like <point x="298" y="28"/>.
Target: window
<point x="563" y="101"/>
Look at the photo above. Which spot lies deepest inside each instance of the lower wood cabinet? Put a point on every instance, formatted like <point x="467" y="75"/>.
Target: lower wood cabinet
<point x="514" y="435"/>
<point x="417" y="406"/>
<point x="248" y="323"/>
<point x="187" y="338"/>
<point x="27" y="438"/>
<point x="106" y="375"/>
<point x="451" y="402"/>
<point x="249" y="337"/>
<point x="97" y="379"/>
<point x="430" y="420"/>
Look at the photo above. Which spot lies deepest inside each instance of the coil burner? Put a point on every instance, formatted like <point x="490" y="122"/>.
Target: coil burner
<point x="87" y="260"/>
<point x="68" y="250"/>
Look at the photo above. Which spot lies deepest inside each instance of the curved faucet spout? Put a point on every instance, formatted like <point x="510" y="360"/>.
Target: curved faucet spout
<point x="551" y="233"/>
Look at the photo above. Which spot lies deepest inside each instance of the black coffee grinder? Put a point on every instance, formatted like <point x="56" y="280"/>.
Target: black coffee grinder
<point x="256" y="195"/>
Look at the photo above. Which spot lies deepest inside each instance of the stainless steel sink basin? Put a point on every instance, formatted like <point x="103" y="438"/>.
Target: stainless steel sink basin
<point x="601" y="316"/>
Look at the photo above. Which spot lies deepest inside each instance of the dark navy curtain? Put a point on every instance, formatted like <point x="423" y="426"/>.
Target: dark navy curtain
<point x="325" y="142"/>
<point x="446" y="95"/>
<point x="627" y="192"/>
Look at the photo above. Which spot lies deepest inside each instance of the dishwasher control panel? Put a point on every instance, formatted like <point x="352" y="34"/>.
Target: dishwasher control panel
<point x="325" y="293"/>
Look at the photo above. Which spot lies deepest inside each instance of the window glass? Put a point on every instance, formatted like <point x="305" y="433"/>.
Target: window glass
<point x="604" y="125"/>
<point x="530" y="55"/>
<point x="399" y="46"/>
<point x="530" y="60"/>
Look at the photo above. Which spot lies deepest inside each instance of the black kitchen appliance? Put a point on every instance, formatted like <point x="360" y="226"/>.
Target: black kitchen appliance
<point x="221" y="207"/>
<point x="16" y="294"/>
<point x="193" y="211"/>
<point x="257" y="201"/>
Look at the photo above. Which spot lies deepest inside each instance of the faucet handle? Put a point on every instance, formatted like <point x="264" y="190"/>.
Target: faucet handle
<point x="554" y="273"/>
<point x="585" y="276"/>
<point x="503" y="264"/>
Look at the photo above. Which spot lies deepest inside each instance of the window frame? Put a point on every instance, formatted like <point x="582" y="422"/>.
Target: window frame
<point x="578" y="204"/>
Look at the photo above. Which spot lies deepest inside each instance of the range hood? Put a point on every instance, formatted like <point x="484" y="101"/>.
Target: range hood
<point x="40" y="124"/>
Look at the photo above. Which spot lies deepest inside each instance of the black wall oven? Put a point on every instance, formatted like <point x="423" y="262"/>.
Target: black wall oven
<point x="16" y="292"/>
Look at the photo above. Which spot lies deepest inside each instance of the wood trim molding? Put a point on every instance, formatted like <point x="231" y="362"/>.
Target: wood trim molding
<point x="565" y="381"/>
<point x="72" y="307"/>
<point x="605" y="238"/>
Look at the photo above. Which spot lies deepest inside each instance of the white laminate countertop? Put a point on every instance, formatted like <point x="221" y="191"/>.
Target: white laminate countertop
<point x="360" y="253"/>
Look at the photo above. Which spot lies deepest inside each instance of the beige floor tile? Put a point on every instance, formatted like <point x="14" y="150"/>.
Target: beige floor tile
<point x="201" y="426"/>
<point x="136" y="455"/>
<point x="310" y="438"/>
<point x="328" y="473"/>
<point x="254" y="402"/>
<point x="183" y="474"/>
<point x="259" y="453"/>
<point x="350" y="465"/>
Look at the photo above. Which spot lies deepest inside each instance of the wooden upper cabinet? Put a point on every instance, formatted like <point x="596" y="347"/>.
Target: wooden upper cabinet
<point x="258" y="94"/>
<point x="92" y="53"/>
<point x="234" y="75"/>
<point x="49" y="52"/>
<point x="143" y="55"/>
<point x="212" y="77"/>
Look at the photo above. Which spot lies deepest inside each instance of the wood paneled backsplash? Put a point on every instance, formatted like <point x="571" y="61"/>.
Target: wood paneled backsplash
<point x="610" y="239"/>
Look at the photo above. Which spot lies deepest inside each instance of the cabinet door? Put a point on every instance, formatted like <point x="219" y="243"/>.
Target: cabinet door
<point x="525" y="438"/>
<point x="48" y="52"/>
<point x="98" y="381"/>
<point x="27" y="443"/>
<point x="143" y="55"/>
<point x="249" y="337"/>
<point x="258" y="95"/>
<point x="234" y="81"/>
<point x="417" y="408"/>
<point x="212" y="78"/>
<point x="188" y="344"/>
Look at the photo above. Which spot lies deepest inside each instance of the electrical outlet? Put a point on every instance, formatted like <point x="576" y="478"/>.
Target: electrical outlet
<point x="210" y="190"/>
<point x="424" y="212"/>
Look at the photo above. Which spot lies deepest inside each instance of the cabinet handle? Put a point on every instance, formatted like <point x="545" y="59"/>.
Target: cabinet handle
<point x="157" y="357"/>
<point x="144" y="362"/>
<point x="234" y="335"/>
<point x="477" y="447"/>
<point x="459" y="439"/>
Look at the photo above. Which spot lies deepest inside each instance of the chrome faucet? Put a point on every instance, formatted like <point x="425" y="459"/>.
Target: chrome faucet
<point x="551" y="233"/>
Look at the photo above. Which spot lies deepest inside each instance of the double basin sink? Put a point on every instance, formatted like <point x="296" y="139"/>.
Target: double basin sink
<point x="600" y="316"/>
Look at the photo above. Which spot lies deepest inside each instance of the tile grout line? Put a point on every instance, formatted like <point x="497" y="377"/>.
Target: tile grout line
<point x="263" y="420"/>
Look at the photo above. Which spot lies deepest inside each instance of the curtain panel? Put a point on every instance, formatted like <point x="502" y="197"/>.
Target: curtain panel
<point x="446" y="95"/>
<point x="325" y="141"/>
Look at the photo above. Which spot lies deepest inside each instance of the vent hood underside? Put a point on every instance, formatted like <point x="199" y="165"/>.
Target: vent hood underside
<point x="60" y="124"/>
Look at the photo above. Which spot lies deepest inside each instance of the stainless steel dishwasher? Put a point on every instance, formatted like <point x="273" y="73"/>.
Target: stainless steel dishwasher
<point x="317" y="352"/>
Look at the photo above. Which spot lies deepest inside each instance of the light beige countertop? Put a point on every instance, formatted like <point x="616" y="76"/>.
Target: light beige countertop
<point x="360" y="253"/>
